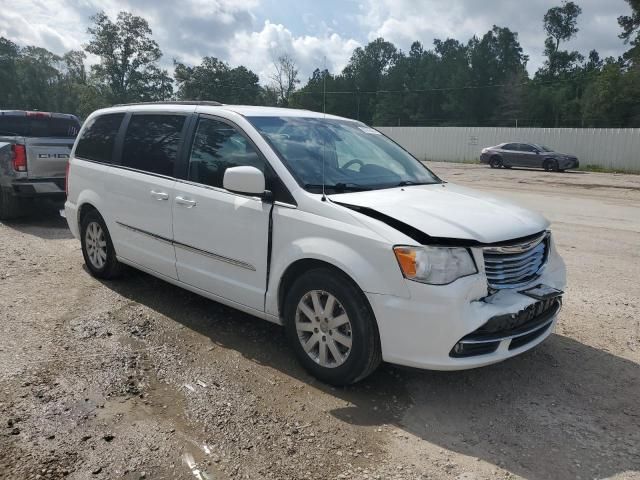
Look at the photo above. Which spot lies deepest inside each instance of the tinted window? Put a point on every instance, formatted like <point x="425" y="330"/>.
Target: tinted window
<point x="216" y="147"/>
<point x="524" y="147"/>
<point x="99" y="137"/>
<point x="39" y="125"/>
<point x="511" y="146"/>
<point x="151" y="143"/>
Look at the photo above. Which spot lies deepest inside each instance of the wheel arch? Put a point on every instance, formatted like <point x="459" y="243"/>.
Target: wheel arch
<point x="296" y="269"/>
<point x="88" y="200"/>
<point x="85" y="208"/>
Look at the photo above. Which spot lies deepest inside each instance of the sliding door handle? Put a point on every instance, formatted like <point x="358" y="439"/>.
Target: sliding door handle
<point x="159" y="195"/>
<point x="187" y="202"/>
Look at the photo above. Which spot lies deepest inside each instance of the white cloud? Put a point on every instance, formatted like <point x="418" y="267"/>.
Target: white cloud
<point x="258" y="49"/>
<point x="241" y="32"/>
<point x="30" y="24"/>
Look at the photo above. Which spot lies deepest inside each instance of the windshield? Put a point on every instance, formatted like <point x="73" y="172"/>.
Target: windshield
<point x="356" y="157"/>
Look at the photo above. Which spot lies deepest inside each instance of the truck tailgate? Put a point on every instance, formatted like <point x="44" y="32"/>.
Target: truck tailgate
<point x="47" y="157"/>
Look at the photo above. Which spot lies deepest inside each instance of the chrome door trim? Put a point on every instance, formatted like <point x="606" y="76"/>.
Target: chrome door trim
<point x="144" y="232"/>
<point x="215" y="256"/>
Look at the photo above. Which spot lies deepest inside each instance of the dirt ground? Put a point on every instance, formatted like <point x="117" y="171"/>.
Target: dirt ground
<point x="139" y="379"/>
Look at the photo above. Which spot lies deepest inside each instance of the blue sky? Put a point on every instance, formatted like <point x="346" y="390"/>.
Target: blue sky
<point x="254" y="32"/>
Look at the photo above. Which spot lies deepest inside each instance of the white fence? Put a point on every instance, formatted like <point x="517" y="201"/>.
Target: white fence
<point x="612" y="148"/>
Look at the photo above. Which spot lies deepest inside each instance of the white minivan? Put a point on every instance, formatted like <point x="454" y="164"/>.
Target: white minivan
<point x="320" y="224"/>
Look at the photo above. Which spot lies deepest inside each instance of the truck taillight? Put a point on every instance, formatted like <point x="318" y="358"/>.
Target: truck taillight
<point x="66" y="178"/>
<point x="19" y="158"/>
<point x="39" y="114"/>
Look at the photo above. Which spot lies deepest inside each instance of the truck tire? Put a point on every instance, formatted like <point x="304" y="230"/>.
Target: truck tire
<point x="9" y="205"/>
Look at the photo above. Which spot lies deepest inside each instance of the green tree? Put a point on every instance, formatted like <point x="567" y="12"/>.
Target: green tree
<point x="561" y="25"/>
<point x="37" y="76"/>
<point x="128" y="59"/>
<point x="284" y="78"/>
<point x="9" y="55"/>
<point x="214" y="80"/>
<point x="631" y="31"/>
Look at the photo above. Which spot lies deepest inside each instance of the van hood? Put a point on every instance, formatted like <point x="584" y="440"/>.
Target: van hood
<point x="447" y="211"/>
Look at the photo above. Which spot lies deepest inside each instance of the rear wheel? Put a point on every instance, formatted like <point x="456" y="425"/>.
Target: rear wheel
<point x="331" y="327"/>
<point x="10" y="206"/>
<point x="495" y="162"/>
<point x="97" y="248"/>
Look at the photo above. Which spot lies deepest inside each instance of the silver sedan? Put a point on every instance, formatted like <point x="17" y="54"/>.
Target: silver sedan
<point x="509" y="155"/>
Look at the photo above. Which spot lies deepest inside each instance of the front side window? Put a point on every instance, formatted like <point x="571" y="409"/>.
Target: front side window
<point x="98" y="138"/>
<point x="342" y="155"/>
<point x="216" y="147"/>
<point x="513" y="147"/>
<point x="524" y="147"/>
<point x="151" y="143"/>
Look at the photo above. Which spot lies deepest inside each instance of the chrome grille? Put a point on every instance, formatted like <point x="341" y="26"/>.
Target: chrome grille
<point x="515" y="265"/>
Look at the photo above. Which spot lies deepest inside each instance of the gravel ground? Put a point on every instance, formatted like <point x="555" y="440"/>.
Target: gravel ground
<point x="139" y="379"/>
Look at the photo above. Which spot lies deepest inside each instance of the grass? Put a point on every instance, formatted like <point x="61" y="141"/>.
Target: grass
<point x="601" y="169"/>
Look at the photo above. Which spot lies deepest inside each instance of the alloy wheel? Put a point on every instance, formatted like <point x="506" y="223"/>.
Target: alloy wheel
<point x="323" y="328"/>
<point x="96" y="244"/>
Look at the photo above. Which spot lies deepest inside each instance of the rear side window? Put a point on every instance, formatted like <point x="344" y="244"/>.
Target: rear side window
<point x="39" y="125"/>
<point x="98" y="138"/>
<point x="151" y="143"/>
<point x="216" y="147"/>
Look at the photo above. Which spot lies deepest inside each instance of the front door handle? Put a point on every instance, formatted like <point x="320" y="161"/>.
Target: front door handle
<point x="159" y="195"/>
<point x="186" y="202"/>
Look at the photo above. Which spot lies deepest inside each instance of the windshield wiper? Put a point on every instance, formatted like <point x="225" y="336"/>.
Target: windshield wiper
<point x="339" y="187"/>
<point x="406" y="183"/>
<point x="7" y="132"/>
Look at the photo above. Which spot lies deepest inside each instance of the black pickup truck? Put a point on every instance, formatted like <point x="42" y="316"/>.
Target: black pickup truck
<point x="34" y="150"/>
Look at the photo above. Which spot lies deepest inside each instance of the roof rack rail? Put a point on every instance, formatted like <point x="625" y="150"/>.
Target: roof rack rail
<point x="174" y="102"/>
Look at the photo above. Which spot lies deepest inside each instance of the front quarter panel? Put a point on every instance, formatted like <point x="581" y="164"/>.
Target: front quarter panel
<point x="335" y="239"/>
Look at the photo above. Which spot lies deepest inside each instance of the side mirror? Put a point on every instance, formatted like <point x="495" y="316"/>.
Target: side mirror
<point x="247" y="180"/>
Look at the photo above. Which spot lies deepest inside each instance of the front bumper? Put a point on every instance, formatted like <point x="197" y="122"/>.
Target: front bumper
<point x="423" y="330"/>
<point x="567" y="163"/>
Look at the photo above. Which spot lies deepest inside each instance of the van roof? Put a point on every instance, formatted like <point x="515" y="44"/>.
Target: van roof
<point x="212" y="107"/>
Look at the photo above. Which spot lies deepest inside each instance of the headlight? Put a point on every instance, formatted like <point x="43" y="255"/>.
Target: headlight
<point x="435" y="265"/>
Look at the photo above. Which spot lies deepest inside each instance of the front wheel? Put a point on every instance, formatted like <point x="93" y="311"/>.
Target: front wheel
<point x="331" y="328"/>
<point x="551" y="165"/>
<point x="495" y="162"/>
<point x="97" y="248"/>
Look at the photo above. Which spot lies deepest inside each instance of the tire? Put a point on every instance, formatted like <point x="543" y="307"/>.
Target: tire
<point x="348" y="364"/>
<point x="551" y="165"/>
<point x="97" y="247"/>
<point x="10" y="206"/>
<point x="495" y="162"/>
